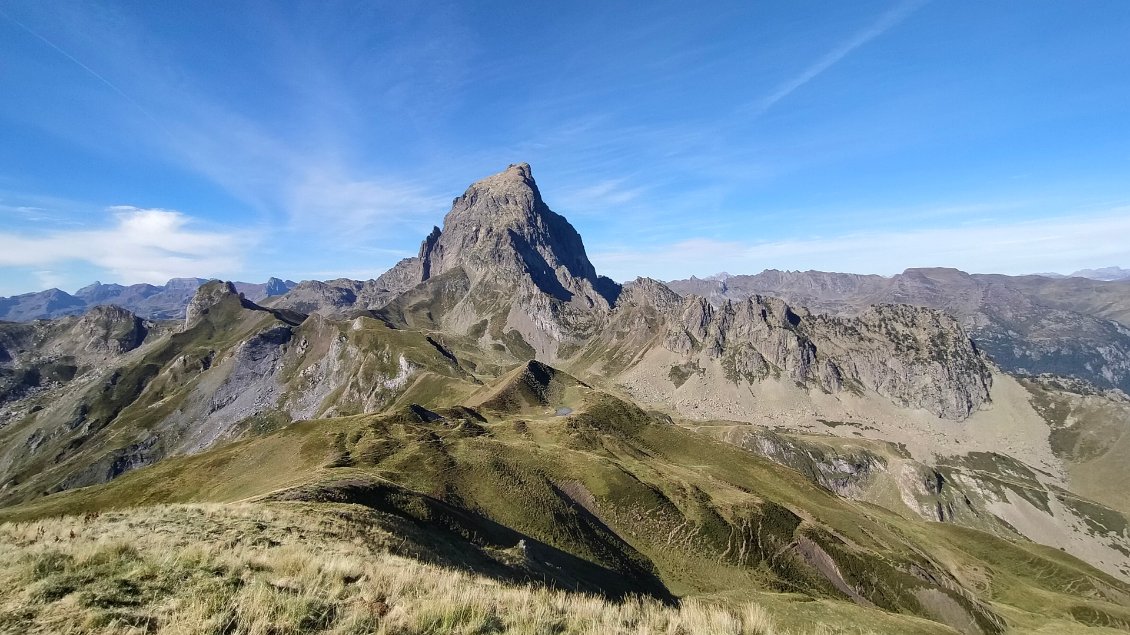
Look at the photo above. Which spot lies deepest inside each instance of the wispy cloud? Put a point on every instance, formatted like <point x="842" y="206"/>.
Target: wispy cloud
<point x="305" y="164"/>
<point x="354" y="207"/>
<point x="140" y="245"/>
<point x="599" y="197"/>
<point x="1052" y="244"/>
<point x="49" y="279"/>
<point x="885" y="23"/>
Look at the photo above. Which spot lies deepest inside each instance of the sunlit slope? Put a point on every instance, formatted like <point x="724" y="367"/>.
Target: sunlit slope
<point x="665" y="508"/>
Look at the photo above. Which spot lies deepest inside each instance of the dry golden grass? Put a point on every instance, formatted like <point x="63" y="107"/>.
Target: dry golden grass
<point x="274" y="569"/>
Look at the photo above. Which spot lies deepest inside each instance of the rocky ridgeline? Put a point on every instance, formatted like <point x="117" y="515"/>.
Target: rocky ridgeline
<point x="1028" y="325"/>
<point x="917" y="357"/>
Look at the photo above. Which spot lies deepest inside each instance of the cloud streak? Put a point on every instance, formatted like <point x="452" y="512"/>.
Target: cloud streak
<point x="355" y="207"/>
<point x="93" y="73"/>
<point x="142" y="245"/>
<point x="886" y="22"/>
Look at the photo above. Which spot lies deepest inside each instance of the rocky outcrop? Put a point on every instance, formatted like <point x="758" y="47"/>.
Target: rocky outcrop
<point x="650" y="293"/>
<point x="1028" y="325"/>
<point x="501" y="227"/>
<point x="207" y="296"/>
<point x="916" y="357"/>
<point x="846" y="472"/>
<point x="73" y="343"/>
<point x="501" y="233"/>
<point x="109" y="329"/>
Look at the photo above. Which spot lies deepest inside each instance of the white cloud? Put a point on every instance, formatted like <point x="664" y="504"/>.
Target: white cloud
<point x="142" y="245"/>
<point x="1062" y="244"/>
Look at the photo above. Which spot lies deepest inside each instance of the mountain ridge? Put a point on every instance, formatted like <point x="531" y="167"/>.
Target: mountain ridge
<point x="152" y="302"/>
<point x="1029" y="325"/>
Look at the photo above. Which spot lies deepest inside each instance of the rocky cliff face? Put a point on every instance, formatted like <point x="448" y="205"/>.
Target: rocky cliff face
<point x="504" y="268"/>
<point x="501" y="227"/>
<point x="916" y="357"/>
<point x="502" y="232"/>
<point x="1028" y="325"/>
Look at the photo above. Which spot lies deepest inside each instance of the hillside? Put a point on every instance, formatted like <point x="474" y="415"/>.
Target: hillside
<point x="242" y="569"/>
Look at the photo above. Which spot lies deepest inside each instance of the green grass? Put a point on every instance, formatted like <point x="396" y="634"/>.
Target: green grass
<point x="611" y="489"/>
<point x="610" y="497"/>
<point x="294" y="568"/>
<point x="1090" y="433"/>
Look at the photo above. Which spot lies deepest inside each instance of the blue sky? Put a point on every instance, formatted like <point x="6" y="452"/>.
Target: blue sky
<point x="145" y="140"/>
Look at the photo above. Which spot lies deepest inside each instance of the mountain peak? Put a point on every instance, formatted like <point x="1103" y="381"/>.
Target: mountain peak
<point x="500" y="229"/>
<point x="510" y="197"/>
<point x="521" y="170"/>
<point x="207" y="296"/>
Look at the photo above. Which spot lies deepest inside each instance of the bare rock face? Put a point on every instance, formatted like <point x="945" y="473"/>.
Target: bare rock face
<point x="501" y="227"/>
<point x="109" y="329"/>
<point x="649" y="292"/>
<point x="506" y="265"/>
<point x="502" y="232"/>
<point x="915" y="357"/>
<point x="403" y="275"/>
<point x="1027" y="325"/>
<point x="207" y="296"/>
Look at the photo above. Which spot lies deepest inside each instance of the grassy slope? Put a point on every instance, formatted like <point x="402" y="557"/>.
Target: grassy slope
<point x="299" y="568"/>
<point x="289" y="568"/>
<point x="586" y="484"/>
<point x="1091" y="434"/>
<point x="108" y="416"/>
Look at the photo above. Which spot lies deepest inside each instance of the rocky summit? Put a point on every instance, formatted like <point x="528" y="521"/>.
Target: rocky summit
<point x="502" y="230"/>
<point x="929" y="453"/>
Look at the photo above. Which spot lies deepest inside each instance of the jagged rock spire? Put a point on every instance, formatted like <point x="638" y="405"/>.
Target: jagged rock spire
<point x="501" y="230"/>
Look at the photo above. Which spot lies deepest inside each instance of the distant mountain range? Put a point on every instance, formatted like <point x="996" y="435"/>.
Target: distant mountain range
<point x="155" y="302"/>
<point x="1104" y="273"/>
